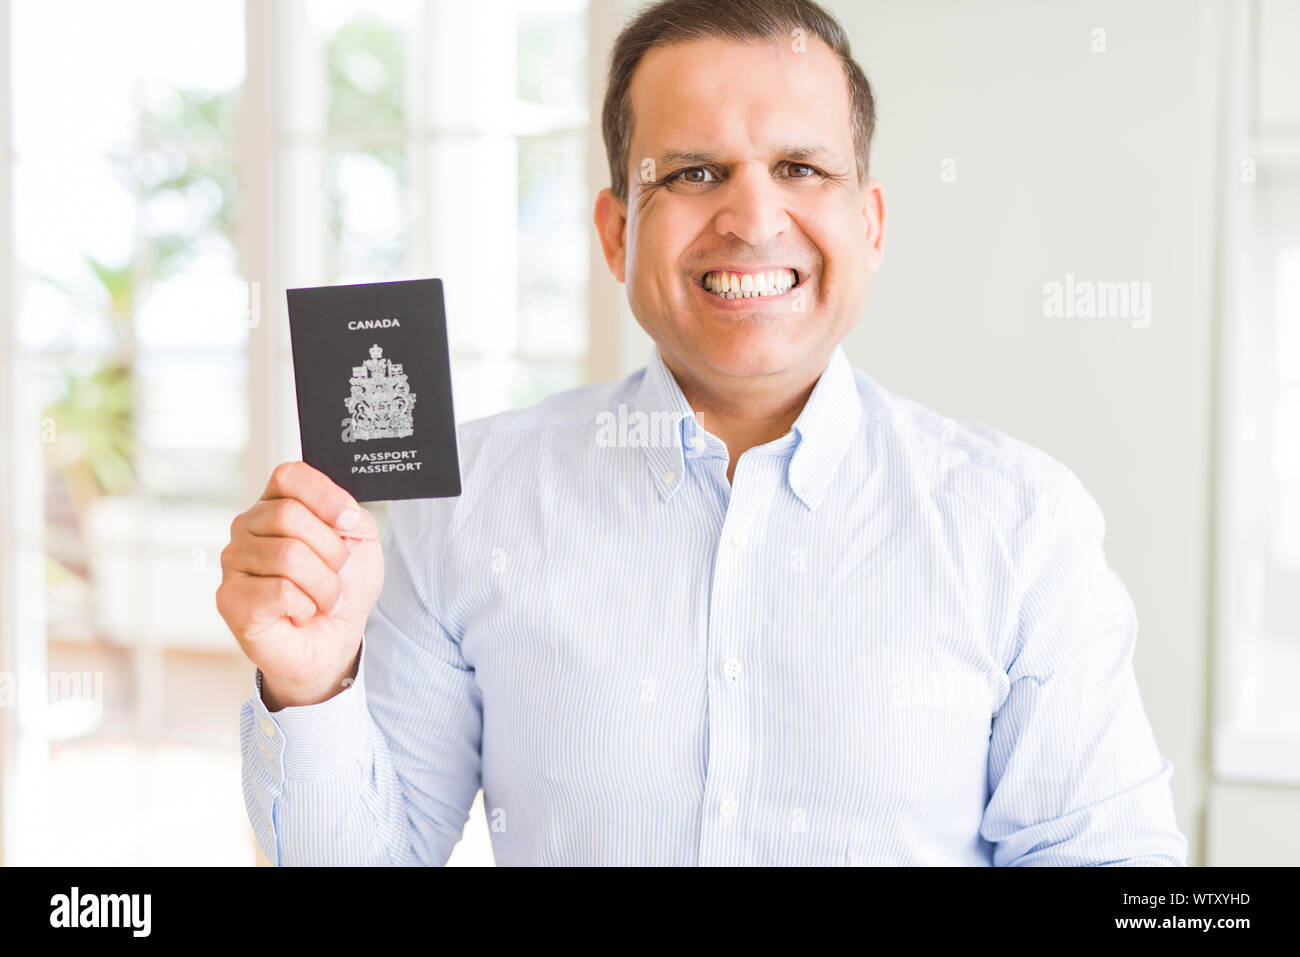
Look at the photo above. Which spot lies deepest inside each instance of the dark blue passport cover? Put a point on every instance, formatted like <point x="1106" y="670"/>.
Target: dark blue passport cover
<point x="373" y="380"/>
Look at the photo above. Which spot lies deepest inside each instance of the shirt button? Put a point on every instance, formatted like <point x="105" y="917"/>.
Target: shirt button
<point x="728" y="807"/>
<point x="270" y="832"/>
<point x="739" y="539"/>
<point x="670" y="478"/>
<point x="268" y="728"/>
<point x="731" y="668"/>
<point x="699" y="443"/>
<point x="267" y="752"/>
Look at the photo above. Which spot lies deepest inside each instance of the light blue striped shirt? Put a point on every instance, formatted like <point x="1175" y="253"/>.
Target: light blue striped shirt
<point x="893" y="639"/>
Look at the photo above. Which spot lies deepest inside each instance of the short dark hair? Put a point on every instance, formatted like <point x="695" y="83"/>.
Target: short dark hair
<point x="681" y="21"/>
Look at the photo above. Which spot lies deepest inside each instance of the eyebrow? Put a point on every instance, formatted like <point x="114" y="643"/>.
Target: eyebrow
<point x="800" y="154"/>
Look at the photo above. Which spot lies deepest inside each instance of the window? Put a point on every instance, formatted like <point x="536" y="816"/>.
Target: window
<point x="124" y="257"/>
<point x="201" y="159"/>
<point x="1257" y="709"/>
<point x="428" y="139"/>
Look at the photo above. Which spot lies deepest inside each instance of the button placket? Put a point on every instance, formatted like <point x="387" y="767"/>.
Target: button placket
<point x="731" y="728"/>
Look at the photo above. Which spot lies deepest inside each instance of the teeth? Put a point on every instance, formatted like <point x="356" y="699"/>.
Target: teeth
<point x="730" y="285"/>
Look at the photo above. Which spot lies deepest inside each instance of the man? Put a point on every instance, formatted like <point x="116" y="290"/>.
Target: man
<point x="742" y="607"/>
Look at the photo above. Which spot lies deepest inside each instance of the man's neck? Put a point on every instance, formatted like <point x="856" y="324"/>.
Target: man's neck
<point x="745" y="420"/>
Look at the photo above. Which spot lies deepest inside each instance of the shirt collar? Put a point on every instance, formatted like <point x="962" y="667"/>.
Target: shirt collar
<point x="824" y="428"/>
<point x="660" y="395"/>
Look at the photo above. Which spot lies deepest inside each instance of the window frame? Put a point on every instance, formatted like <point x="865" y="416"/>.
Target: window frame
<point x="1242" y="754"/>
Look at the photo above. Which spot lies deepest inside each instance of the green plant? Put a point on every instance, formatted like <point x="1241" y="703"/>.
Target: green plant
<point x="182" y="150"/>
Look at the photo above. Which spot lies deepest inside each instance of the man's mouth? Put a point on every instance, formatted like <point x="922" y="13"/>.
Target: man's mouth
<point x="750" y="285"/>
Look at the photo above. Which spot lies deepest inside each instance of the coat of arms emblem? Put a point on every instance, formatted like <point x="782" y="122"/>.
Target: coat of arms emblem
<point x="381" y="405"/>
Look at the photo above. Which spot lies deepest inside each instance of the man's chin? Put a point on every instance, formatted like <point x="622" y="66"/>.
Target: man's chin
<point x="762" y="349"/>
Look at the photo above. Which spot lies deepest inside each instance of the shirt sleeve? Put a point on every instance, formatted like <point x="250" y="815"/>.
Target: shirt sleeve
<point x="384" y="772"/>
<point x="1075" y="776"/>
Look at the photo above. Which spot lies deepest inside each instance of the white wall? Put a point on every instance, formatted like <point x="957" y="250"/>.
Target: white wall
<point x="1067" y="161"/>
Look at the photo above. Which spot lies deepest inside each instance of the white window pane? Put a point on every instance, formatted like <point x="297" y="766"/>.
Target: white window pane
<point x="117" y="50"/>
<point x="342" y="65"/>
<point x="552" y="54"/>
<point x="1257" y="734"/>
<point x="369" y="224"/>
<point x="553" y="244"/>
<point x="1288" y="314"/>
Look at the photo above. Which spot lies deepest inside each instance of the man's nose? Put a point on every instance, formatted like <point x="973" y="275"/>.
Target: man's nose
<point x="753" y="207"/>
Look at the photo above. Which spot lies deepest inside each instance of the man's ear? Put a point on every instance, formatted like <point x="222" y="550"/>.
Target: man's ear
<point x="611" y="226"/>
<point x="873" y="217"/>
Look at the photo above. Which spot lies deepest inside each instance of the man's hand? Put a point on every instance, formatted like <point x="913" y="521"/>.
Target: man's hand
<point x="298" y="579"/>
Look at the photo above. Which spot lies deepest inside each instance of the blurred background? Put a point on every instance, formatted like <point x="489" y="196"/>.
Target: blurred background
<point x="167" y="170"/>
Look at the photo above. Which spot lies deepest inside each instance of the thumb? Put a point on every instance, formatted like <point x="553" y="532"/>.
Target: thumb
<point x="367" y="530"/>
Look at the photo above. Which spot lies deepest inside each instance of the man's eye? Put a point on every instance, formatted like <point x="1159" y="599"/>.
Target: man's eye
<point x="795" y="171"/>
<point x="689" y="176"/>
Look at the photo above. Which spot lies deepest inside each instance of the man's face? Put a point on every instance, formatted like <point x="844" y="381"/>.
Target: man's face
<point x="742" y="162"/>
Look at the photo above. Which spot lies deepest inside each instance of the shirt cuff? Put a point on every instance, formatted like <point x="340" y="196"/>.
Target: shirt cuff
<point x="317" y="741"/>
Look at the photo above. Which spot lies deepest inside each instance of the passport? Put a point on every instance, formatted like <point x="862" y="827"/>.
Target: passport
<point x="373" y="380"/>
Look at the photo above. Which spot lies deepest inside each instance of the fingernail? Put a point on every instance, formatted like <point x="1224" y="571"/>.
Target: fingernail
<point x="349" y="518"/>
